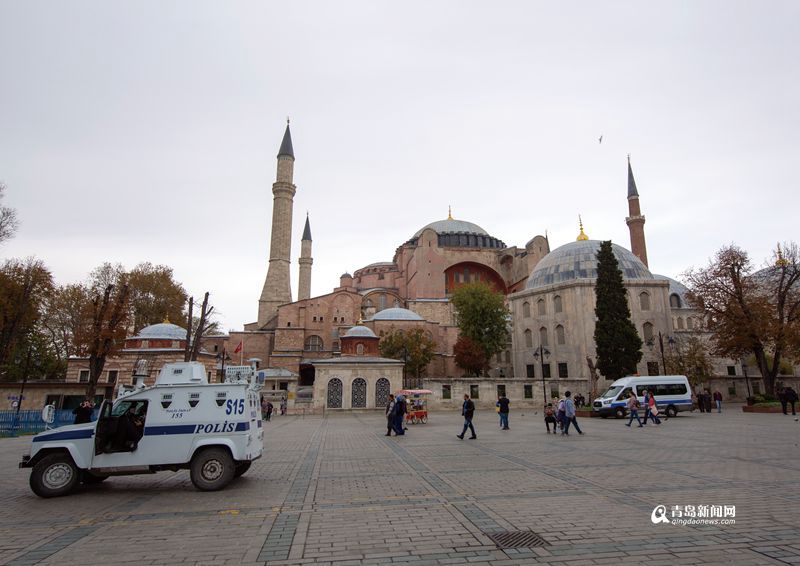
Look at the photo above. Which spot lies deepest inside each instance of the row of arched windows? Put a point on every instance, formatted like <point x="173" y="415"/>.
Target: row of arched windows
<point x="358" y="393"/>
<point x="541" y="307"/>
<point x="561" y="337"/>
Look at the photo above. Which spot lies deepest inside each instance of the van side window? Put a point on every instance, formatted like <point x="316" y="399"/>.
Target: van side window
<point x="625" y="393"/>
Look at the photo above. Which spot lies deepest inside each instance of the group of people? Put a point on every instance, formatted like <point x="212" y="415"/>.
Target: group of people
<point x="395" y="415"/>
<point x="267" y="408"/>
<point x="705" y="400"/>
<point x="650" y="409"/>
<point x="562" y="415"/>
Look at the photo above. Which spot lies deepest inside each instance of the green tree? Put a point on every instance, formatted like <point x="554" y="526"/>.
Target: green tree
<point x="689" y="356"/>
<point x="619" y="347"/>
<point x="24" y="287"/>
<point x="751" y="312"/>
<point x="470" y="356"/>
<point x="482" y="317"/>
<point x="414" y="347"/>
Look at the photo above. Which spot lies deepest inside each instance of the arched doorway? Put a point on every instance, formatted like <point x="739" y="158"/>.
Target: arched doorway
<point x="335" y="393"/>
<point x="359" y="399"/>
<point x="382" y="390"/>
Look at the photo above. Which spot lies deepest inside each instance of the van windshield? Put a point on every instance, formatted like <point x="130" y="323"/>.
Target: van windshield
<point x="612" y="391"/>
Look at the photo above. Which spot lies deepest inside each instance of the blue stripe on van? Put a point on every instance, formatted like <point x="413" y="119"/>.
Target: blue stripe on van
<point x="66" y="435"/>
<point x="169" y="429"/>
<point x="658" y="403"/>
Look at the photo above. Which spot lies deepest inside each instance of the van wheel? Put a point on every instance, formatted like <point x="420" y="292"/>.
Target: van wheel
<point x="619" y="413"/>
<point x="241" y="468"/>
<point x="212" y="469"/>
<point x="90" y="478"/>
<point x="672" y="411"/>
<point x="54" y="475"/>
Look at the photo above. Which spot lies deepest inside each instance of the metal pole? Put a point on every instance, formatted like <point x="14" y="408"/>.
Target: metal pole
<point x="661" y="346"/>
<point x="541" y="362"/>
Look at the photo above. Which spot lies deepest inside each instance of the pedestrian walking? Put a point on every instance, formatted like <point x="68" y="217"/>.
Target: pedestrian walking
<point x="569" y="415"/>
<point x="270" y="408"/>
<point x="560" y="412"/>
<point x="650" y="408"/>
<point x="707" y="397"/>
<point x="791" y="399"/>
<point x="468" y="411"/>
<point x="550" y="417"/>
<point x="633" y="408"/>
<point x="390" y="415"/>
<point x="718" y="400"/>
<point x="283" y="406"/>
<point x="399" y="415"/>
<point x="502" y="409"/>
<point x="83" y="412"/>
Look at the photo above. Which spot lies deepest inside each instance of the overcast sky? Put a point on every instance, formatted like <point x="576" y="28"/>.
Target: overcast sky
<point x="147" y="131"/>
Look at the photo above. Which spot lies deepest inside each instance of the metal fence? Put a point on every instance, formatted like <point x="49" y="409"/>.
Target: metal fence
<point x="13" y="423"/>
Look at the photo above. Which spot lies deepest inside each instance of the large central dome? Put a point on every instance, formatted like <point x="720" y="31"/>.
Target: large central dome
<point x="451" y="226"/>
<point x="578" y="260"/>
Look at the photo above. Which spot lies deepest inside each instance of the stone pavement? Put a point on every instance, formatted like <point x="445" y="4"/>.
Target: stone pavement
<point x="335" y="490"/>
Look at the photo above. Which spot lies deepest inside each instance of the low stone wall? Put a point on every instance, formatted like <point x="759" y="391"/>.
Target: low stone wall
<point x="487" y="391"/>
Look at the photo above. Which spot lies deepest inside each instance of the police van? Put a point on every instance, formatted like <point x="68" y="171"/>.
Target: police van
<point x="672" y="393"/>
<point x="182" y="422"/>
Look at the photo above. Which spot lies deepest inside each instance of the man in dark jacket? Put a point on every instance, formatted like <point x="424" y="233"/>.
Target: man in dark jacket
<point x="468" y="410"/>
<point x="791" y="399"/>
<point x="502" y="409"/>
<point x="83" y="413"/>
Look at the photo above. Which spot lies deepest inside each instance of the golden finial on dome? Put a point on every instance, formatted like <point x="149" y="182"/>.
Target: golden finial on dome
<point x="781" y="261"/>
<point x="166" y="319"/>
<point x="360" y="320"/>
<point x="582" y="236"/>
<point x="449" y="212"/>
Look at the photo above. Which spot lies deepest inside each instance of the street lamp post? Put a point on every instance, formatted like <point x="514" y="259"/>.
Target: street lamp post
<point x="540" y="354"/>
<point x="661" y="347"/>
<point x="222" y="356"/>
<point x="746" y="378"/>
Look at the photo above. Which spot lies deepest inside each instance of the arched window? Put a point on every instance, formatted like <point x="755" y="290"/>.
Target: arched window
<point x="557" y="306"/>
<point x="560" y="337"/>
<point x="526" y="309"/>
<point x="680" y="323"/>
<point x="674" y="301"/>
<point x="644" y="301"/>
<point x="359" y="349"/>
<point x="359" y="393"/>
<point x="367" y="303"/>
<point x="396" y="303"/>
<point x="689" y="322"/>
<point x="381" y="302"/>
<point x="647" y="331"/>
<point x="543" y="337"/>
<point x="528" y="338"/>
<point x="540" y="307"/>
<point x="313" y="343"/>
<point x="335" y="393"/>
<point x="382" y="389"/>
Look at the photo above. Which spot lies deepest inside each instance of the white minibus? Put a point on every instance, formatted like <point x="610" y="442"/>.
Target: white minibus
<point x="672" y="393"/>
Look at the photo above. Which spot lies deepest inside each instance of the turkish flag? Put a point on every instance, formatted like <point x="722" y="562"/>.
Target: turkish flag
<point x="239" y="347"/>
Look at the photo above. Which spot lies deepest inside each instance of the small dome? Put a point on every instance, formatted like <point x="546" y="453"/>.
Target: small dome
<point x="396" y="313"/>
<point x="451" y="226"/>
<point x="360" y="331"/>
<point x="345" y="275"/>
<point x="578" y="260"/>
<point x="162" y="331"/>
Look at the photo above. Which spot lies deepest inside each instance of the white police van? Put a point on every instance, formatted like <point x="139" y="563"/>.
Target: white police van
<point x="182" y="422"/>
<point x="672" y="393"/>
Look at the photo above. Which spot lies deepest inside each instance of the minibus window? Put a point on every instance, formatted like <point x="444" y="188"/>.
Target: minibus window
<point x="625" y="393"/>
<point x="612" y="391"/>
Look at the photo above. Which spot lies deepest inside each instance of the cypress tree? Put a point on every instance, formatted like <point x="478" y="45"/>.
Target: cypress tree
<point x="619" y="347"/>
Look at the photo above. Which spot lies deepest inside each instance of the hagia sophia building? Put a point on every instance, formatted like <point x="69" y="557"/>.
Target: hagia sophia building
<point x="322" y="352"/>
<point x="325" y="344"/>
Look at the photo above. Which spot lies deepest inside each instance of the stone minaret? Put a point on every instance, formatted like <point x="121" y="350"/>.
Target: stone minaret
<point x="305" y="261"/>
<point x="635" y="221"/>
<point x="277" y="289"/>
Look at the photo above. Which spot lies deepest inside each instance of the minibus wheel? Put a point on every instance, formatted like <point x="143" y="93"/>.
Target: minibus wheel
<point x="672" y="411"/>
<point x="619" y="413"/>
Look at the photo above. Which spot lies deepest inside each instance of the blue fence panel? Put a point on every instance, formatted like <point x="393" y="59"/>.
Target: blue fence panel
<point x="12" y="423"/>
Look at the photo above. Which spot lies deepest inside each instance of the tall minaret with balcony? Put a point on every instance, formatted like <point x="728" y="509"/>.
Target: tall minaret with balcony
<point x="305" y="261"/>
<point x="635" y="221"/>
<point x="277" y="288"/>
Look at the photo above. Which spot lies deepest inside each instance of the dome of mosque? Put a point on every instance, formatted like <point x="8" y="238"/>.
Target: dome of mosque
<point x="162" y="331"/>
<point x="396" y="313"/>
<point x="578" y="260"/>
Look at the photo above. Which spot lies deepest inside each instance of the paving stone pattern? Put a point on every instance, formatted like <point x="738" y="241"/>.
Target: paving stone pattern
<point x="334" y="490"/>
